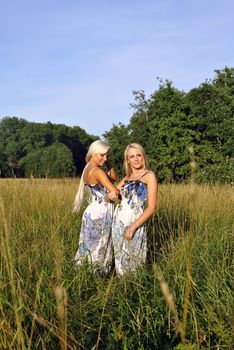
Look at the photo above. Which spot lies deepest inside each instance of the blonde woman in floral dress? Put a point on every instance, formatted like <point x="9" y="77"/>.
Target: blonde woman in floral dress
<point x="138" y="190"/>
<point x="95" y="243"/>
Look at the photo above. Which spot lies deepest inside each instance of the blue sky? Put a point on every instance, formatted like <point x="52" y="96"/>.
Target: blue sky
<point x="76" y="62"/>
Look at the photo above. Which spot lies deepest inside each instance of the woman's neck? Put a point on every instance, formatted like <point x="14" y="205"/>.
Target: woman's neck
<point x="92" y="163"/>
<point x="136" y="173"/>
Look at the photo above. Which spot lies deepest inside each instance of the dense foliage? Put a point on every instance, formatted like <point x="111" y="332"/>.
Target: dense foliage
<point x="173" y="127"/>
<point x="41" y="150"/>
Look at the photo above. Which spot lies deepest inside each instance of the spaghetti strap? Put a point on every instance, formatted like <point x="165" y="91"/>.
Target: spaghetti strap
<point x="90" y="173"/>
<point x="143" y="175"/>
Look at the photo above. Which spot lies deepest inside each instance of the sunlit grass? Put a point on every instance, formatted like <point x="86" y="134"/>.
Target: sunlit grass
<point x="183" y="298"/>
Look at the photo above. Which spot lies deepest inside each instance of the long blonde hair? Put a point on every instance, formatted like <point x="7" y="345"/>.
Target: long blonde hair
<point x="128" y="169"/>
<point x="98" y="146"/>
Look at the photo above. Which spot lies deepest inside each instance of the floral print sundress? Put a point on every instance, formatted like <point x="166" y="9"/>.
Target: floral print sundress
<point x="129" y="255"/>
<point x="95" y="242"/>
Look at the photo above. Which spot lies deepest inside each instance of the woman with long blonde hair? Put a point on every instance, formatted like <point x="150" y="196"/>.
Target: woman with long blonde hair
<point x="139" y="191"/>
<point x="95" y="244"/>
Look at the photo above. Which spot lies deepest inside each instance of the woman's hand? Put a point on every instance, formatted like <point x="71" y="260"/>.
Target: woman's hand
<point x="108" y="164"/>
<point x="111" y="196"/>
<point x="129" y="232"/>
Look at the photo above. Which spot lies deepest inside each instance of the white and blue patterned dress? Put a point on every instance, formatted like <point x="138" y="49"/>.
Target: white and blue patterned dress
<point x="95" y="243"/>
<point x="129" y="255"/>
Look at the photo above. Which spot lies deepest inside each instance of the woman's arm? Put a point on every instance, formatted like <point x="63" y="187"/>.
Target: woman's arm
<point x="152" y="186"/>
<point x="111" y="170"/>
<point x="99" y="175"/>
<point x="112" y="195"/>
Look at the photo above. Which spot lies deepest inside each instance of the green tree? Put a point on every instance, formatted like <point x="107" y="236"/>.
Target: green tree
<point x="20" y="140"/>
<point x="10" y="147"/>
<point x="78" y="141"/>
<point x="212" y="109"/>
<point x="53" y="161"/>
<point x="166" y="125"/>
<point x="118" y="138"/>
<point x="159" y="125"/>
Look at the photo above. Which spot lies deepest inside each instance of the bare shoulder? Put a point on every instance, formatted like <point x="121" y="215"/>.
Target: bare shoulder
<point x="150" y="176"/>
<point x="96" y="174"/>
<point x="99" y="172"/>
<point x="120" y="184"/>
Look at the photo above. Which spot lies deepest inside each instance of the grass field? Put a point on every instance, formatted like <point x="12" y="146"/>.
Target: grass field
<point x="182" y="298"/>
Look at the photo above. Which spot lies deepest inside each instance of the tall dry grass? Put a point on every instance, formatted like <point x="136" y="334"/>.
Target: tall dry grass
<point x="182" y="298"/>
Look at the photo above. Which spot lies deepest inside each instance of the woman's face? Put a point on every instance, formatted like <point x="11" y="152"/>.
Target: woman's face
<point x="135" y="159"/>
<point x="100" y="158"/>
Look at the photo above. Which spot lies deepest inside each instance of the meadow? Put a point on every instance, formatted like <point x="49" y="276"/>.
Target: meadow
<point x="181" y="299"/>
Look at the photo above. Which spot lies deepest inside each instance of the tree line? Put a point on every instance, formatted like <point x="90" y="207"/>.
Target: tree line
<point x="29" y="149"/>
<point x="176" y="128"/>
